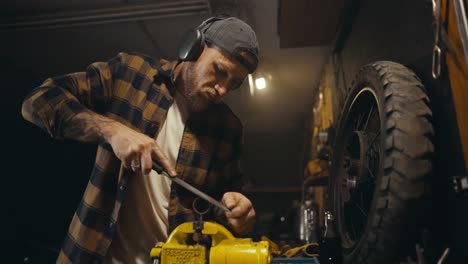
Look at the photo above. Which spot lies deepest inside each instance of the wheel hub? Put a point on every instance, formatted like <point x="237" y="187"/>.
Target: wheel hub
<point x="359" y="154"/>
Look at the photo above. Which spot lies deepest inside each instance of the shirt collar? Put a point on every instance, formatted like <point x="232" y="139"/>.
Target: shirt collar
<point x="165" y="75"/>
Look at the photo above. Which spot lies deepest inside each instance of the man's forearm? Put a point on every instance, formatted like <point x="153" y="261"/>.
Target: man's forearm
<point x="89" y="127"/>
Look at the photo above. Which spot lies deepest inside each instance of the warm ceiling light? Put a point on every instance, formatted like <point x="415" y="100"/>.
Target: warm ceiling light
<point x="260" y="83"/>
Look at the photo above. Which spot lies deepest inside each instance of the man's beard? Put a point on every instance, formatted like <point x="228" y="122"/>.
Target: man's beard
<point x="196" y="101"/>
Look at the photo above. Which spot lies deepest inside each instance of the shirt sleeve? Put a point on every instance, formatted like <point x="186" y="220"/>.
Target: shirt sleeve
<point x="58" y="99"/>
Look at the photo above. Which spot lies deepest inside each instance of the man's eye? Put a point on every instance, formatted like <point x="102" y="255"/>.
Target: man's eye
<point x="221" y="72"/>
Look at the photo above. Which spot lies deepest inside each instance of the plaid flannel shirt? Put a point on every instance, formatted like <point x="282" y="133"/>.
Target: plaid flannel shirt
<point x="134" y="90"/>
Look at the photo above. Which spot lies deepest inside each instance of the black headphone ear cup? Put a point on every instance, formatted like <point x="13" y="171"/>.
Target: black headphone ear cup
<point x="191" y="46"/>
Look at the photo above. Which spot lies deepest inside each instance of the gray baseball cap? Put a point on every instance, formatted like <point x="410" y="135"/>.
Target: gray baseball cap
<point x="234" y="36"/>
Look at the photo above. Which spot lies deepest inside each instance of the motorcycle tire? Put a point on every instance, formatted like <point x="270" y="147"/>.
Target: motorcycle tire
<point x="382" y="163"/>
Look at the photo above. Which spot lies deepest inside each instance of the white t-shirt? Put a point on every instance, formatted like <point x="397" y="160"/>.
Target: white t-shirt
<point x="143" y="218"/>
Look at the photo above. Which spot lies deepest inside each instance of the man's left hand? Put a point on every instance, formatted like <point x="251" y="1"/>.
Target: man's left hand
<point x="242" y="215"/>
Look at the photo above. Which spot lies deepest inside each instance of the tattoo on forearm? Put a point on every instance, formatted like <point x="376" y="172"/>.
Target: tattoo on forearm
<point x="87" y="127"/>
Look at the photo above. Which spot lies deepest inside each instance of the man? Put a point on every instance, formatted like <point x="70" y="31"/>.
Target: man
<point x="138" y="111"/>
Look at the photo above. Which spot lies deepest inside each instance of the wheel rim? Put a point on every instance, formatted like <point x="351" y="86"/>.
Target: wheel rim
<point x="358" y="159"/>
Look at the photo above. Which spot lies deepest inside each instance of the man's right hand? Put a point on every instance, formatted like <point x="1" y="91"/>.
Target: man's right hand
<point x="136" y="150"/>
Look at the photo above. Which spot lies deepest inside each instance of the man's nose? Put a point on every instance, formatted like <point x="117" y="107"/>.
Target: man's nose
<point x="221" y="89"/>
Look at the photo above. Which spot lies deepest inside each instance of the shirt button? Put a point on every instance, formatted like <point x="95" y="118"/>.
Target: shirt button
<point x="111" y="224"/>
<point x="122" y="187"/>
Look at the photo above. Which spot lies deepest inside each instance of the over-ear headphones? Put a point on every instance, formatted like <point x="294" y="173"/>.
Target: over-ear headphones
<point x="193" y="41"/>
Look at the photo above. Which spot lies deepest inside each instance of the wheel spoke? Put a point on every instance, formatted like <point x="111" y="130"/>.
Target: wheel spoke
<point x="372" y="142"/>
<point x="359" y="120"/>
<point x="371" y="173"/>
<point x="368" y="117"/>
<point x="360" y="209"/>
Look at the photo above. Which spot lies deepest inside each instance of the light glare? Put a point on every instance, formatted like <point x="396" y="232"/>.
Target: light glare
<point x="260" y="83"/>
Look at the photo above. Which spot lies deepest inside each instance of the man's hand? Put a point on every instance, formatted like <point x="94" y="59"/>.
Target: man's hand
<point x="136" y="150"/>
<point x="242" y="215"/>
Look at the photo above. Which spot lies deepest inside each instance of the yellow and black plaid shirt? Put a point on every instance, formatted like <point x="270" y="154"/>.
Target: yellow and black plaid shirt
<point x="136" y="91"/>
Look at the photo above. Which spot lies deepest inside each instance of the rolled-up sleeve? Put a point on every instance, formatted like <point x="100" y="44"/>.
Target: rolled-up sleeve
<point x="58" y="99"/>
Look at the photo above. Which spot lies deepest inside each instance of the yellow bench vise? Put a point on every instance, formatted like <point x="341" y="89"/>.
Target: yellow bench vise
<point x="223" y="248"/>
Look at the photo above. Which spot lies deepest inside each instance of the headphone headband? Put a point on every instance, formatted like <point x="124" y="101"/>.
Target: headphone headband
<point x="194" y="40"/>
